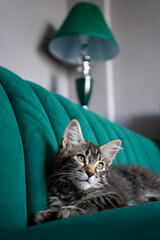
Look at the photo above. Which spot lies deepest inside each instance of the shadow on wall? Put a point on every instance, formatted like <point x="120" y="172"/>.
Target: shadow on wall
<point x="48" y="34"/>
<point x="148" y="126"/>
<point x="42" y="49"/>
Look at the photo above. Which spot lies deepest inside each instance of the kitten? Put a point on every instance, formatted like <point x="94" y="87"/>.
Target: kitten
<point x="85" y="182"/>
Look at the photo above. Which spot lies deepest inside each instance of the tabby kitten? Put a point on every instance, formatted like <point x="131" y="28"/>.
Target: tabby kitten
<point x="85" y="182"/>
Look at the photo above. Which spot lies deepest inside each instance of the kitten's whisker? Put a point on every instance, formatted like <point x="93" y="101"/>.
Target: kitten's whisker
<point x="60" y="173"/>
<point x="60" y="177"/>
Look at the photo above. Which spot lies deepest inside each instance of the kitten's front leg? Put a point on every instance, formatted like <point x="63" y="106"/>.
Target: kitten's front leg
<point x="45" y="216"/>
<point x="70" y="211"/>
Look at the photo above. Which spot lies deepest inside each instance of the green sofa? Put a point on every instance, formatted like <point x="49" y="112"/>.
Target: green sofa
<point x="32" y="123"/>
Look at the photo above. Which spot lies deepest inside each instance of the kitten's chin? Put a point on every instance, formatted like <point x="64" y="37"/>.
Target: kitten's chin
<point x="82" y="185"/>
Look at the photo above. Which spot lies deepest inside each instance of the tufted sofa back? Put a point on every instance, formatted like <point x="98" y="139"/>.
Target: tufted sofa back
<point x="32" y="123"/>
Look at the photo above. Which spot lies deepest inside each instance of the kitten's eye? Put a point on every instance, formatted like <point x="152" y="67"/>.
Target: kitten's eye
<point x="81" y="158"/>
<point x="100" y="165"/>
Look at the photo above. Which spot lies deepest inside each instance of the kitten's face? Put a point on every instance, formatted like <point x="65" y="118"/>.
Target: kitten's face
<point x="84" y="164"/>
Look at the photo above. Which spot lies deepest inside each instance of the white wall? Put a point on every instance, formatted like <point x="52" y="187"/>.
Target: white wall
<point x="25" y="29"/>
<point x="136" y="26"/>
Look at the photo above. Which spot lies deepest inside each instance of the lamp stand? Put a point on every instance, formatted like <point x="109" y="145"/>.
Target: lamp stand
<point x="84" y="82"/>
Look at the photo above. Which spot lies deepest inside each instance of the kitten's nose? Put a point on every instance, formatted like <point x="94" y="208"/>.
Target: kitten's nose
<point x="89" y="174"/>
<point x="90" y="170"/>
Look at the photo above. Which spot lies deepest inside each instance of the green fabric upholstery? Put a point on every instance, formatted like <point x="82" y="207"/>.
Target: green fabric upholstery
<point x="32" y="123"/>
<point x="129" y="223"/>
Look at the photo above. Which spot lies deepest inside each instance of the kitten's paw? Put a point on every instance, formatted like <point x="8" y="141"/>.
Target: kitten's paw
<point x="45" y="216"/>
<point x="70" y="211"/>
<point x="40" y="217"/>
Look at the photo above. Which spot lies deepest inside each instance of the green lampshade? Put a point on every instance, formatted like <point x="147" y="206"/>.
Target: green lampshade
<point x="85" y="24"/>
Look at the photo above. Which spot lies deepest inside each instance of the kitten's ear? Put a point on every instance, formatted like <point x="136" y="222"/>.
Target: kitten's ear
<point x="110" y="150"/>
<point x="72" y="135"/>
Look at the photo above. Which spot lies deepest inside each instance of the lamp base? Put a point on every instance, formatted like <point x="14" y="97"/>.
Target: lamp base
<point x="84" y="89"/>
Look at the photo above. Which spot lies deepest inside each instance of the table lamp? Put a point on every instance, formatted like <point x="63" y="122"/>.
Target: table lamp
<point x="84" y="38"/>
